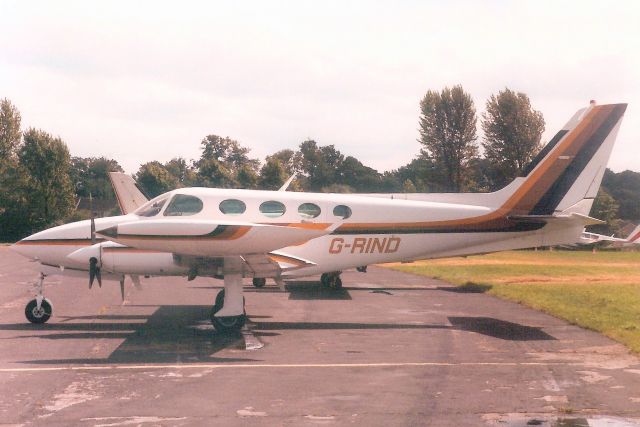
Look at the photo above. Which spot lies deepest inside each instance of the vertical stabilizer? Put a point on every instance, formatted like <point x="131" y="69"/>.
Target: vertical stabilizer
<point x="127" y="192"/>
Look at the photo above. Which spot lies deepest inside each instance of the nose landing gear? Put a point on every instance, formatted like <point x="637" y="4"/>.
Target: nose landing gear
<point x="39" y="309"/>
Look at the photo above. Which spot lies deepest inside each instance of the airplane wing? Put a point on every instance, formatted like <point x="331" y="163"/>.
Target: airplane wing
<point x="127" y="192"/>
<point x="274" y="263"/>
<point x="212" y="238"/>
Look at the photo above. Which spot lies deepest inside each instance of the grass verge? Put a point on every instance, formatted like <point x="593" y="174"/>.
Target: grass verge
<point x="598" y="291"/>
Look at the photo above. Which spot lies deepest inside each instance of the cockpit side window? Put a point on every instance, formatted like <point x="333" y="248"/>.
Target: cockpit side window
<point x="183" y="205"/>
<point x="151" y="208"/>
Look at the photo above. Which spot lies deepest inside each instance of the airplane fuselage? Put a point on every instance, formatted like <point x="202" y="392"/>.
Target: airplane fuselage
<point x="359" y="230"/>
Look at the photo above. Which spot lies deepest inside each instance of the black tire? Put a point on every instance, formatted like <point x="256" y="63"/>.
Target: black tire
<point x="217" y="305"/>
<point x="38" y="316"/>
<point x="335" y="283"/>
<point x="324" y="279"/>
<point x="259" y="282"/>
<point x="228" y="324"/>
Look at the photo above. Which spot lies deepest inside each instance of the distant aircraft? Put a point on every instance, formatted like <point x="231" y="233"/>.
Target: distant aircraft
<point x="587" y="238"/>
<point x="277" y="234"/>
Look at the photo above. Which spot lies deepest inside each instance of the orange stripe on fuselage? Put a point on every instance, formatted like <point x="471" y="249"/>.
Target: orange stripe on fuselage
<point x="527" y="195"/>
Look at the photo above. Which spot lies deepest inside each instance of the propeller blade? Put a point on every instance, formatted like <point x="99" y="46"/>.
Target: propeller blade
<point x="98" y="276"/>
<point x="94" y="272"/>
<point x="122" y="287"/>
<point x="93" y="265"/>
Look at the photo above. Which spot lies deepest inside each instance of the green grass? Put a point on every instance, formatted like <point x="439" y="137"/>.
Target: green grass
<point x="598" y="291"/>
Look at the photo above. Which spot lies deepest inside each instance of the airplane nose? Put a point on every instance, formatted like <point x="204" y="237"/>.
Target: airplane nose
<point x="24" y="248"/>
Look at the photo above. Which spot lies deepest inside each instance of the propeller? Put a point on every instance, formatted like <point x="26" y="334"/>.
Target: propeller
<point x="94" y="268"/>
<point x="94" y="272"/>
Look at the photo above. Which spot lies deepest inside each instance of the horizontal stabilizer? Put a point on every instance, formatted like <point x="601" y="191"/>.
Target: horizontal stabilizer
<point x="547" y="219"/>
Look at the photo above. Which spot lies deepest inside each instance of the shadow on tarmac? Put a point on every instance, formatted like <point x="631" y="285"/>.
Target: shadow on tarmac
<point x="183" y="334"/>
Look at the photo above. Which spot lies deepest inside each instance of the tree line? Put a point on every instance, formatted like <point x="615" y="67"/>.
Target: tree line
<point x="41" y="184"/>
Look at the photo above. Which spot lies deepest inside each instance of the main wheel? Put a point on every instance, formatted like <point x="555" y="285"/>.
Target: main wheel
<point x="324" y="279"/>
<point x="259" y="282"/>
<point x="335" y="283"/>
<point x="38" y="315"/>
<point x="228" y="324"/>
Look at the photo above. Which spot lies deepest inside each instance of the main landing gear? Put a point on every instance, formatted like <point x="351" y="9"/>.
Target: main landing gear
<point x="331" y="280"/>
<point x="228" y="314"/>
<point x="39" y="309"/>
<point x="259" y="282"/>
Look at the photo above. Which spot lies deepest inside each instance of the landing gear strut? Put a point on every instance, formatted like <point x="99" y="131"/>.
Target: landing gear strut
<point x="227" y="314"/>
<point x="39" y="309"/>
<point x="331" y="280"/>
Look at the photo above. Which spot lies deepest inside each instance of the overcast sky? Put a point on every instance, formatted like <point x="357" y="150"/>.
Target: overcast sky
<point x="140" y="81"/>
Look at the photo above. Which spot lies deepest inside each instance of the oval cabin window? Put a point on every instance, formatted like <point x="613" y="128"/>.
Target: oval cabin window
<point x="309" y="210"/>
<point x="183" y="205"/>
<point x="342" y="211"/>
<point x="232" y="207"/>
<point x="272" y="209"/>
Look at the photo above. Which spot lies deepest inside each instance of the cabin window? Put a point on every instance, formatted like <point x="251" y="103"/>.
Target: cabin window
<point x="183" y="205"/>
<point x="151" y="208"/>
<point x="232" y="207"/>
<point x="272" y="209"/>
<point x="342" y="211"/>
<point x="309" y="210"/>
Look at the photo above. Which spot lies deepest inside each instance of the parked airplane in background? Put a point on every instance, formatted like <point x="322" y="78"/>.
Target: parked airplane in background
<point x="276" y="234"/>
<point x="587" y="238"/>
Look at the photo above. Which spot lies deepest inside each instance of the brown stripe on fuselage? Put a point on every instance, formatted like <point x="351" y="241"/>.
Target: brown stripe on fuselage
<point x="523" y="199"/>
<point x="58" y="242"/>
<point x="230" y="232"/>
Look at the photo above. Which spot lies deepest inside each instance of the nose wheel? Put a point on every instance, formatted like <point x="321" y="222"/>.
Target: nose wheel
<point x="38" y="314"/>
<point x="39" y="309"/>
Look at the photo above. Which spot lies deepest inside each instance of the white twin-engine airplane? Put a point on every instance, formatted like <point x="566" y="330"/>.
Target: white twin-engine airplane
<point x="277" y="234"/>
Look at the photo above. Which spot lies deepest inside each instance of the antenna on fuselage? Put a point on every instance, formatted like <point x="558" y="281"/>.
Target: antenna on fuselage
<point x="287" y="183"/>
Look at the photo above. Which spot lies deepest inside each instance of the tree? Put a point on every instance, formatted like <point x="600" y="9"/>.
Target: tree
<point x="225" y="163"/>
<point x="272" y="174"/>
<point x="181" y="171"/>
<point x="10" y="138"/>
<point x="10" y="134"/>
<point x="287" y="158"/>
<point x="605" y="208"/>
<point x="319" y="166"/>
<point x="49" y="190"/>
<point x="90" y="175"/>
<point x="512" y="131"/>
<point x="154" y="179"/>
<point x="448" y="134"/>
<point x="358" y="176"/>
<point x="624" y="187"/>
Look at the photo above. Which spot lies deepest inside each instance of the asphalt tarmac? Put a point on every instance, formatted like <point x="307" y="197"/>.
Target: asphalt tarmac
<point x="389" y="349"/>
